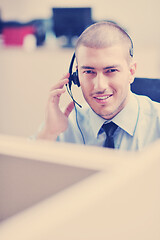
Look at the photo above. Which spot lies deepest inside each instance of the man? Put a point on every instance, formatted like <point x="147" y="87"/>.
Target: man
<point x="106" y="68"/>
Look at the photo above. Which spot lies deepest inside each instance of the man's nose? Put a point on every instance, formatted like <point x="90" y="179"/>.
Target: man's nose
<point x="100" y="82"/>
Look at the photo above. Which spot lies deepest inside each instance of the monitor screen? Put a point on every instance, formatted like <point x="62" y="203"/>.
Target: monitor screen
<point x="71" y="22"/>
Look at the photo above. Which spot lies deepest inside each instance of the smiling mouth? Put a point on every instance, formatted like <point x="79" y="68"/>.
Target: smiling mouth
<point x="102" y="98"/>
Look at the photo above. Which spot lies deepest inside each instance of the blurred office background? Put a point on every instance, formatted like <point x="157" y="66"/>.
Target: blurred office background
<point x="37" y="42"/>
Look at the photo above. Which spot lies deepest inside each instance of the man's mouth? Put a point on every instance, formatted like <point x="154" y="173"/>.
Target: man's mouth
<point x="102" y="99"/>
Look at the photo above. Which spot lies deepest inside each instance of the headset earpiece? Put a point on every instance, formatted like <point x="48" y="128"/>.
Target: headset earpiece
<point x="73" y="76"/>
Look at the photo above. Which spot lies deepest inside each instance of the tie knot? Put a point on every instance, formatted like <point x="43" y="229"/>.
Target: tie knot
<point x="109" y="128"/>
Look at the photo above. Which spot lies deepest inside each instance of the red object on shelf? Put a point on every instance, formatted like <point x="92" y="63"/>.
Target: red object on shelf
<point x="15" y="35"/>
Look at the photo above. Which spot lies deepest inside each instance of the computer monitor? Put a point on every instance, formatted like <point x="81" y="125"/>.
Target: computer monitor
<point x="71" y="22"/>
<point x="26" y="181"/>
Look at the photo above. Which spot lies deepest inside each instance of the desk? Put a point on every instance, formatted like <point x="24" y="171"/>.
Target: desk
<point x="120" y="200"/>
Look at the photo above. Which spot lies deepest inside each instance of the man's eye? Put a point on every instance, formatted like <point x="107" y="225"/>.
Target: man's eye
<point x="89" y="72"/>
<point x="112" y="70"/>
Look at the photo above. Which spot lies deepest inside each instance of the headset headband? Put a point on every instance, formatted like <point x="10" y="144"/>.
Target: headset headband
<point x="71" y="64"/>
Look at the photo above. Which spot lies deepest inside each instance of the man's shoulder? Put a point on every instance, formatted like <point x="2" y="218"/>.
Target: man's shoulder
<point x="148" y="106"/>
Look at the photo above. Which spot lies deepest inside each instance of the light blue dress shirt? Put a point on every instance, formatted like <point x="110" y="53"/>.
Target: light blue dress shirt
<point x="138" y="125"/>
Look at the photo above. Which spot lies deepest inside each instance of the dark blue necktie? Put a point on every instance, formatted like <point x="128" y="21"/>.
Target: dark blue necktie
<point x="109" y="129"/>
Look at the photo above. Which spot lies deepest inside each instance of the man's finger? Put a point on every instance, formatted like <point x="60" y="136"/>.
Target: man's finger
<point x="60" y="84"/>
<point x="56" y="93"/>
<point x="69" y="109"/>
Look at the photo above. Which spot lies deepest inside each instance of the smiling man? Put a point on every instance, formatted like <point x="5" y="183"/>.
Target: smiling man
<point x="105" y="78"/>
<point x="114" y="116"/>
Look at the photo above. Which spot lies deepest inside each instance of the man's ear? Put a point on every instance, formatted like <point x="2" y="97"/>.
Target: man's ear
<point x="133" y="67"/>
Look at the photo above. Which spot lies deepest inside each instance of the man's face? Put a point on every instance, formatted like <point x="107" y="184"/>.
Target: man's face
<point x="105" y="76"/>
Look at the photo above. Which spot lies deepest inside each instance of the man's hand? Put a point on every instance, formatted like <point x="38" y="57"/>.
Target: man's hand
<point x="56" y="121"/>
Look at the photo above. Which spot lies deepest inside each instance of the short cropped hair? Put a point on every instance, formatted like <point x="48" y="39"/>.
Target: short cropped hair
<point x="105" y="34"/>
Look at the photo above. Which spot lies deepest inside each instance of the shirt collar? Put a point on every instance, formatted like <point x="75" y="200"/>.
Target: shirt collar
<point x="125" y="119"/>
<point x="96" y="122"/>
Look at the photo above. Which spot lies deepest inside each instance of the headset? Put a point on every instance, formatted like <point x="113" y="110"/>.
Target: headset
<point x="73" y="75"/>
<point x="131" y="48"/>
<point x="74" y="78"/>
